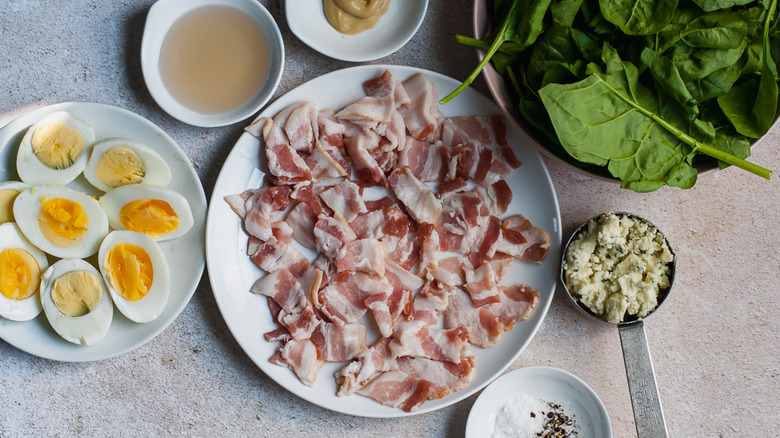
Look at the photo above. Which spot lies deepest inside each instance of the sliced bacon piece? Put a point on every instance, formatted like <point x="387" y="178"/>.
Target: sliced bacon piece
<point x="489" y="244"/>
<point x="404" y="251"/>
<point x="486" y="324"/>
<point x="369" y="224"/>
<point x="330" y="234"/>
<point x="453" y="270"/>
<point x="417" y="197"/>
<point x="300" y="125"/>
<point x="332" y="137"/>
<point x="520" y="239"/>
<point x="509" y="156"/>
<point x="393" y="137"/>
<point x="286" y="165"/>
<point x="456" y="184"/>
<point x="491" y="168"/>
<point x="375" y="360"/>
<point x="428" y="304"/>
<point x="259" y="208"/>
<point x="444" y="377"/>
<point x="301" y="356"/>
<point x="379" y="204"/>
<point x="473" y="131"/>
<point x="482" y="285"/>
<point x="362" y="255"/>
<point x="345" y="200"/>
<point x="328" y="269"/>
<point x="401" y="279"/>
<point x="280" y="334"/>
<point x="501" y="263"/>
<point x="422" y="158"/>
<point x="387" y="85"/>
<point x="423" y="118"/>
<point x="301" y="220"/>
<point x="349" y="294"/>
<point x="295" y="312"/>
<point x="337" y="343"/>
<point x="323" y="165"/>
<point x="430" y="253"/>
<point x="398" y="390"/>
<point x="366" y="166"/>
<point x="501" y="195"/>
<point x="273" y="255"/>
<point x="419" y="340"/>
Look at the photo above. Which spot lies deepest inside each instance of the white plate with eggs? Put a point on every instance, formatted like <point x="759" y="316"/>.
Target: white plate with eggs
<point x="184" y="251"/>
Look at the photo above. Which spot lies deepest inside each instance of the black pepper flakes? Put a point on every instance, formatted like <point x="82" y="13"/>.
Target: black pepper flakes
<point x="558" y="424"/>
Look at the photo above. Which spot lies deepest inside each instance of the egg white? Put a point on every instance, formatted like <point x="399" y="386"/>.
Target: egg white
<point x="153" y="303"/>
<point x="33" y="172"/>
<point x="157" y="171"/>
<point x="30" y="307"/>
<point x="28" y="204"/>
<point x="113" y="202"/>
<point x="83" y="330"/>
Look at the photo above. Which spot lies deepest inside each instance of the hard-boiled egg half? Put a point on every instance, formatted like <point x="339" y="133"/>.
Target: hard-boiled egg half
<point x="136" y="274"/>
<point x="9" y="190"/>
<point x="61" y="221"/>
<point x="116" y="162"/>
<point x="21" y="266"/>
<point x="159" y="212"/>
<point x="76" y="301"/>
<point x="54" y="150"/>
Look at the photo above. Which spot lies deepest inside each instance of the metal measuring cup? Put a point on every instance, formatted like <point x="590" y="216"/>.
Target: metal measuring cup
<point x="648" y="414"/>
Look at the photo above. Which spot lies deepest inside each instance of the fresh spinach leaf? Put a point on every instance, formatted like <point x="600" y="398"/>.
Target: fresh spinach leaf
<point x="714" y="5"/>
<point x="694" y="63"/>
<point x="716" y="30"/>
<point x="638" y="17"/>
<point x="666" y="75"/>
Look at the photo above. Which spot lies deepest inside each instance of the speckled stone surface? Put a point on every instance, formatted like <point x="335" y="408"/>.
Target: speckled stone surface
<point x="715" y="343"/>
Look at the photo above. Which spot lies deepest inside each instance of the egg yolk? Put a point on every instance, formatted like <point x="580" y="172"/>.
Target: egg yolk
<point x="7" y="198"/>
<point x="57" y="145"/>
<point x="130" y="270"/>
<point x="120" y="166"/>
<point x="154" y="217"/>
<point x="76" y="293"/>
<point x="62" y="222"/>
<point x="20" y="274"/>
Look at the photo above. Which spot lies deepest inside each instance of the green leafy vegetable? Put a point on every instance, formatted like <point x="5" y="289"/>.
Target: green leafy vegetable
<point x="642" y="88"/>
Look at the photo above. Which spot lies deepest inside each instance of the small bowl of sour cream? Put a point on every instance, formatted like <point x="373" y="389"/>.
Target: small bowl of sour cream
<point x="211" y="62"/>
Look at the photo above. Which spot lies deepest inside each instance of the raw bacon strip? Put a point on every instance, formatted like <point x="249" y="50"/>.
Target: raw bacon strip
<point x="416" y="196"/>
<point x="416" y="339"/>
<point x="422" y="158"/>
<point x="387" y="85"/>
<point x="286" y="165"/>
<point x="366" y="166"/>
<point x="501" y="263"/>
<point x="451" y="186"/>
<point x="379" y="204"/>
<point x="401" y="279"/>
<point x="404" y="251"/>
<point x="428" y="305"/>
<point x="397" y="389"/>
<point x="301" y="126"/>
<point x="295" y="312"/>
<point x="491" y="168"/>
<point x="489" y="244"/>
<point x="444" y="377"/>
<point x="330" y="234"/>
<point x="341" y="301"/>
<point x="501" y="195"/>
<point x="274" y="255"/>
<point x="522" y="240"/>
<point x="301" y="357"/>
<point x="259" y="208"/>
<point x="369" y="224"/>
<point x="323" y="165"/>
<point x="301" y="220"/>
<point x="328" y="269"/>
<point x="475" y="131"/>
<point x="338" y="343"/>
<point x="379" y="298"/>
<point x="509" y="156"/>
<point x="362" y="255"/>
<point x="393" y="137"/>
<point x="345" y="200"/>
<point x="430" y="253"/>
<point x="486" y="324"/>
<point x="423" y="118"/>
<point x="453" y="271"/>
<point x="482" y="285"/>
<point x="375" y="360"/>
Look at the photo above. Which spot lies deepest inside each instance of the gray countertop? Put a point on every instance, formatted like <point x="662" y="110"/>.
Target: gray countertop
<point x="715" y="343"/>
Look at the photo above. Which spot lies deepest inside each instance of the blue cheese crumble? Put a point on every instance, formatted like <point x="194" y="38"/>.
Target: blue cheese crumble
<point x="617" y="266"/>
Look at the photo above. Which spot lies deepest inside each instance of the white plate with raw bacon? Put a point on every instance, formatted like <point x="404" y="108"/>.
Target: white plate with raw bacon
<point x="377" y="254"/>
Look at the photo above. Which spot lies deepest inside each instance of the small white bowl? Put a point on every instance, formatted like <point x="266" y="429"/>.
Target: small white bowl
<point x="397" y="26"/>
<point x="545" y="384"/>
<point x="162" y="15"/>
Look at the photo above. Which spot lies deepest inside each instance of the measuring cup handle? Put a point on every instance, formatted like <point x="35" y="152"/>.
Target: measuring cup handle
<point x="648" y="415"/>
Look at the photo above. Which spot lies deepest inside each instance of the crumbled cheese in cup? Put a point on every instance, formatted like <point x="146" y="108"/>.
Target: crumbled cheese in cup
<point x="617" y="266"/>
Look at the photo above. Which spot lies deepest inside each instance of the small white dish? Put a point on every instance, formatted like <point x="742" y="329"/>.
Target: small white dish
<point x="397" y="26"/>
<point x="162" y="15"/>
<point x="546" y="384"/>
